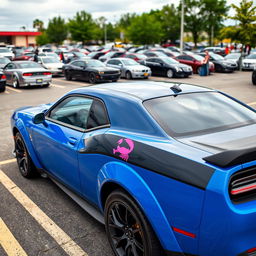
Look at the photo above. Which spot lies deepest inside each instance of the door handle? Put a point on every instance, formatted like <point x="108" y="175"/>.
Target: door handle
<point x="72" y="141"/>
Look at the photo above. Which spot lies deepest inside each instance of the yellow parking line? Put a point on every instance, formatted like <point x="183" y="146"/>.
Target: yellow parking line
<point x="252" y="103"/>
<point x="8" y="241"/>
<point x="15" y="90"/>
<point x="65" y="241"/>
<point x="58" y="86"/>
<point x="8" y="161"/>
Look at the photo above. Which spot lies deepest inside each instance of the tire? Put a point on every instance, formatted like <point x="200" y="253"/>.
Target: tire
<point x="254" y="77"/>
<point x="125" y="220"/>
<point x="169" y="73"/>
<point x="92" y="78"/>
<point x="114" y="81"/>
<point x="128" y="75"/>
<point x="2" y="88"/>
<point x="24" y="161"/>
<point x="198" y="70"/>
<point x="15" y="82"/>
<point x="46" y="85"/>
<point x="68" y="76"/>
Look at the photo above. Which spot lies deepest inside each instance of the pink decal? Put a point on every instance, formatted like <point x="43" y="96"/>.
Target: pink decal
<point x="123" y="151"/>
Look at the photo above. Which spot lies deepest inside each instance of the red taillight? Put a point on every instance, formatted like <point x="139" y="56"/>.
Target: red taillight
<point x="183" y="232"/>
<point x="47" y="73"/>
<point x="251" y="250"/>
<point x="27" y="74"/>
<point x="3" y="77"/>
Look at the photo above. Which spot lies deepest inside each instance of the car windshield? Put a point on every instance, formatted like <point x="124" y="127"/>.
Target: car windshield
<point x="197" y="57"/>
<point x="50" y="60"/>
<point x="141" y="56"/>
<point x="4" y="61"/>
<point x="79" y="54"/>
<point x="170" y="61"/>
<point x="29" y="64"/>
<point x="4" y="50"/>
<point x="232" y="56"/>
<point x="217" y="57"/>
<point x="92" y="54"/>
<point x="251" y="56"/>
<point x="94" y="63"/>
<point x="198" y="113"/>
<point x="129" y="62"/>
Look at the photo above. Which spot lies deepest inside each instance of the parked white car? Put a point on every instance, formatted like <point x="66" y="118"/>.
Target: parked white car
<point x="52" y="64"/>
<point x="249" y="62"/>
<point x="5" y="52"/>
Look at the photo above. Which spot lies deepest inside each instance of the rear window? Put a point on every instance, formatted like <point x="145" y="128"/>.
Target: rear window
<point x="198" y="113"/>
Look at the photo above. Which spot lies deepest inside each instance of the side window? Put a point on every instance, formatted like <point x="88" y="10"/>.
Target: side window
<point x="111" y="62"/>
<point x="158" y="61"/>
<point x="98" y="115"/>
<point x="118" y="63"/>
<point x="10" y="66"/>
<point x="73" y="111"/>
<point x="189" y="58"/>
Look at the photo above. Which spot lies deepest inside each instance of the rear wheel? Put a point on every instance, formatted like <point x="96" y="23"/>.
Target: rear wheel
<point x="198" y="71"/>
<point x="68" y="76"/>
<point x="25" y="163"/>
<point x="128" y="231"/>
<point x="15" y="82"/>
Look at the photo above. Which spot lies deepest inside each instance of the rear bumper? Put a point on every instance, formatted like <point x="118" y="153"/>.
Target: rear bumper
<point x="35" y="81"/>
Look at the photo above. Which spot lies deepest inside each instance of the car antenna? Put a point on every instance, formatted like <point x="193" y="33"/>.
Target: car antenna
<point x="176" y="88"/>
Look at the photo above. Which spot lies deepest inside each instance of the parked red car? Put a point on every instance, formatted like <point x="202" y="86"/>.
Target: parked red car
<point x="24" y="56"/>
<point x="195" y="61"/>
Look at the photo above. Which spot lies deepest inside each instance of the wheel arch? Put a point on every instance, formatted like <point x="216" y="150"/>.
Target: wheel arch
<point x="116" y="175"/>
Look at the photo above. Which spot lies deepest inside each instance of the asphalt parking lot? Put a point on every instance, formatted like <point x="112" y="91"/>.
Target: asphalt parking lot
<point x="36" y="217"/>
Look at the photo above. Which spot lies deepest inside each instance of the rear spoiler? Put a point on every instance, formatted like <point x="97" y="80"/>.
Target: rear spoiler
<point x="232" y="157"/>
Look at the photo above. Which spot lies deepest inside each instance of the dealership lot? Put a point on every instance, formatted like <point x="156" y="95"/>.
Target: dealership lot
<point x="41" y="219"/>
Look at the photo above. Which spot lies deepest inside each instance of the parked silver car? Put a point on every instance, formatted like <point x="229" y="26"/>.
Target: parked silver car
<point x="27" y="73"/>
<point x="52" y="64"/>
<point x="129" y="68"/>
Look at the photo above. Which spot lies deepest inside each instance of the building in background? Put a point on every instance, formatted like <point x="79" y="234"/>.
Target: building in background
<point x="19" y="38"/>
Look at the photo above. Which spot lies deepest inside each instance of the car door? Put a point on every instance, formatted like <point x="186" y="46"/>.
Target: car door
<point x="8" y="70"/>
<point x="58" y="139"/>
<point x="90" y="162"/>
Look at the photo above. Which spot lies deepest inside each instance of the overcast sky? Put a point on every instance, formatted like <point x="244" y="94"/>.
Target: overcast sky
<point x="17" y="13"/>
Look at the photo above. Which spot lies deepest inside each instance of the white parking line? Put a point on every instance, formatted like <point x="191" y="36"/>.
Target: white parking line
<point x="15" y="90"/>
<point x="58" y="86"/>
<point x="8" y="241"/>
<point x="252" y="103"/>
<point x="6" y="92"/>
<point x="65" y="241"/>
<point x="8" y="161"/>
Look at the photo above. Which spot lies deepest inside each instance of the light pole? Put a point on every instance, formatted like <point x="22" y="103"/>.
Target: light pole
<point x="182" y="27"/>
<point x="105" y="33"/>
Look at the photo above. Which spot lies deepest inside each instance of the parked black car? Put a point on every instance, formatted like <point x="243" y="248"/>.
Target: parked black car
<point x="2" y="81"/>
<point x="254" y="76"/>
<point x="90" y="70"/>
<point x="166" y="66"/>
<point x="221" y="65"/>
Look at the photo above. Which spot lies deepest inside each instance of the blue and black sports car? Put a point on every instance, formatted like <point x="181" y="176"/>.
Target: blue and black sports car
<point x="169" y="168"/>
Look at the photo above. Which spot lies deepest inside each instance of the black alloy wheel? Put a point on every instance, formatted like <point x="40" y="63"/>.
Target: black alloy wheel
<point x="68" y="76"/>
<point x="92" y="78"/>
<point x="25" y="164"/>
<point x="128" y="231"/>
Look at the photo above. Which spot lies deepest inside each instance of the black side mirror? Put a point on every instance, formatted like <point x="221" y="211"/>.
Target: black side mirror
<point x="39" y="118"/>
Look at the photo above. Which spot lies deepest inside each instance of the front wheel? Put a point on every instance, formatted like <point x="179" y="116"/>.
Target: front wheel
<point x="128" y="75"/>
<point x="128" y="231"/>
<point x="254" y="78"/>
<point x="169" y="73"/>
<point x="68" y="76"/>
<point x="92" y="78"/>
<point x="25" y="163"/>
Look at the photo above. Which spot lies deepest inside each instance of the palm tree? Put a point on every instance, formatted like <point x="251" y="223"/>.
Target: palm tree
<point x="38" y="24"/>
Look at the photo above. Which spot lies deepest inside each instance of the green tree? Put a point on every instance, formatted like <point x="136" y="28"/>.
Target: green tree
<point x="194" y="20"/>
<point x="213" y="12"/>
<point x="124" y="23"/>
<point x="57" y="30"/>
<point x="169" y="17"/>
<point x="245" y="15"/>
<point x="38" y="24"/>
<point x="42" y="39"/>
<point x="82" y="27"/>
<point x="145" y="29"/>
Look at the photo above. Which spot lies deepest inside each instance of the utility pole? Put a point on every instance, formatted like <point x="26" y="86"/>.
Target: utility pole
<point x="182" y="27"/>
<point x="105" y="33"/>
